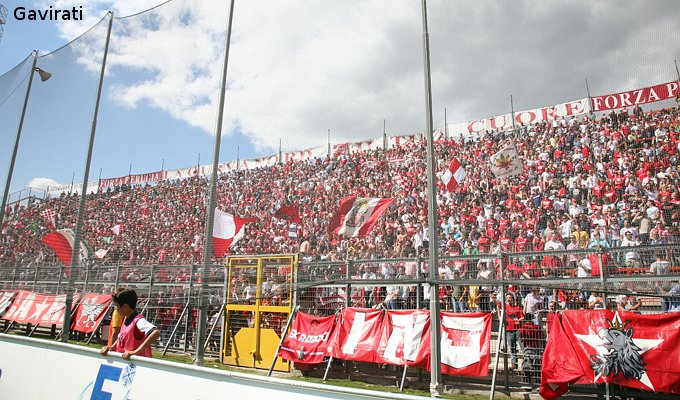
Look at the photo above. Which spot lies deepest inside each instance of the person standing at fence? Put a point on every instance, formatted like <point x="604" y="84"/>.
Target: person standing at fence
<point x="533" y="302"/>
<point x="136" y="334"/>
<point x="513" y="316"/>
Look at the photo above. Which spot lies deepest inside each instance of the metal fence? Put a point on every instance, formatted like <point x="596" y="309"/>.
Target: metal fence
<point x="528" y="287"/>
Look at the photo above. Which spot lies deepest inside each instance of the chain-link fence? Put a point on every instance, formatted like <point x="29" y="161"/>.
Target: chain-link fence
<point x="527" y="289"/>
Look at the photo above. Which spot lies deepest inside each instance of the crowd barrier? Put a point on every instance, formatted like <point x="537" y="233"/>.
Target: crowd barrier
<point x="169" y="296"/>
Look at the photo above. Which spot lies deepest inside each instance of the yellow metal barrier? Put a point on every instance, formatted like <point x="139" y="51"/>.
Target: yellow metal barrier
<point x="259" y="301"/>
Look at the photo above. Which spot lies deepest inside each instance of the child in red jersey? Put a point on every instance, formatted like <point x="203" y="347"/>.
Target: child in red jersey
<point x="136" y="334"/>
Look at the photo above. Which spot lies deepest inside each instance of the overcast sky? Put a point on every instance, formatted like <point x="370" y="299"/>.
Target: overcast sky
<point x="299" y="68"/>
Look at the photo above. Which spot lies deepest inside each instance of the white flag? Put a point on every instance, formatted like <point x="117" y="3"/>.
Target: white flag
<point x="506" y="163"/>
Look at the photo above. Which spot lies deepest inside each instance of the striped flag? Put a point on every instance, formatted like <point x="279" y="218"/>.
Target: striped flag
<point x="62" y="242"/>
<point x="356" y="216"/>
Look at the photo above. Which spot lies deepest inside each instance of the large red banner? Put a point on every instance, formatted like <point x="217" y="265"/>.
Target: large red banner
<point x="36" y="308"/>
<point x="624" y="348"/>
<point x="90" y="312"/>
<point x="466" y="343"/>
<point x="307" y="342"/>
<point x="356" y="334"/>
<point x="405" y="338"/>
<point x="664" y="91"/>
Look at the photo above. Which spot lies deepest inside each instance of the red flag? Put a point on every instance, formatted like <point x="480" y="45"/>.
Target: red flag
<point x="465" y="343"/>
<point x="356" y="335"/>
<point x="624" y="348"/>
<point x="62" y="242"/>
<point x="90" y="312"/>
<point x="405" y="338"/>
<point x="453" y="175"/>
<point x="289" y="213"/>
<point x="356" y="216"/>
<point x="307" y="342"/>
<point x="227" y="230"/>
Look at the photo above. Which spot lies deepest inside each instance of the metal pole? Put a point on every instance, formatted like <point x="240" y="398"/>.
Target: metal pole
<point x="212" y="329"/>
<point x="512" y="110"/>
<point x="174" y="330"/>
<point x="280" y="154"/>
<point x="446" y="126"/>
<point x="283" y="337"/>
<point x="73" y="179"/>
<point x="435" y="360"/>
<point x="238" y="150"/>
<point x="189" y="308"/>
<point x="501" y="336"/>
<point x="384" y="134"/>
<point x="330" y="155"/>
<point x="212" y="200"/>
<point x="590" y="99"/>
<point x="75" y="252"/>
<point x="16" y="140"/>
<point x="348" y="286"/>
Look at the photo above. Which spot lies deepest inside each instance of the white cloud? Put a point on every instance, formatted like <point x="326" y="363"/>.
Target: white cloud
<point x="298" y="68"/>
<point x="42" y="183"/>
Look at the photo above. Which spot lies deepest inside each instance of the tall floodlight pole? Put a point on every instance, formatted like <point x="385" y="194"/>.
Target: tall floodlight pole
<point x="435" y="360"/>
<point x="5" y="194"/>
<point x="75" y="252"/>
<point x="212" y="201"/>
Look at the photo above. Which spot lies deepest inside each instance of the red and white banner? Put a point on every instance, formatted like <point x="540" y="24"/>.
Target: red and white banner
<point x="453" y="175"/>
<point x="77" y="188"/>
<point x="356" y="216"/>
<point x="664" y="91"/>
<point x="358" y="331"/>
<point x="39" y="309"/>
<point x="308" y="340"/>
<point x="405" y="338"/>
<point x="5" y="301"/>
<point x="137" y="179"/>
<point x="504" y="122"/>
<point x="346" y="149"/>
<point x="90" y="312"/>
<point x="465" y="343"/>
<point x="624" y="348"/>
<point x="227" y="230"/>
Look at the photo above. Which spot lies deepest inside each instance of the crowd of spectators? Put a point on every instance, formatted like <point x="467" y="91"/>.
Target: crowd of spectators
<point x="608" y="181"/>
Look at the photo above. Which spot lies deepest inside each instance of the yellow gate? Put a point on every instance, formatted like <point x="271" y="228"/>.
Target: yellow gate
<point x="259" y="301"/>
